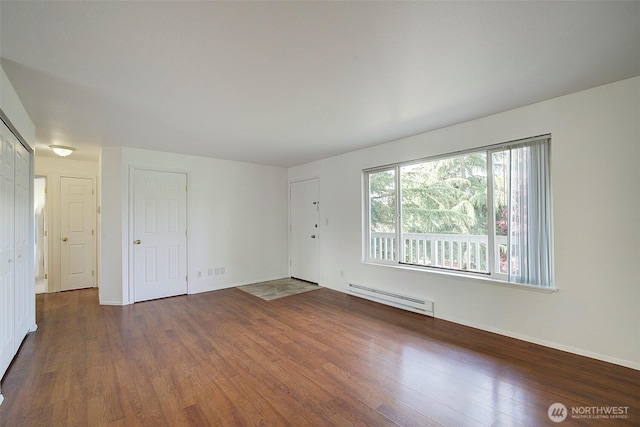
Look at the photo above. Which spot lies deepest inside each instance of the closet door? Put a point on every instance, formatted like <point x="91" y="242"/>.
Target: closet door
<point x="23" y="214"/>
<point x="7" y="244"/>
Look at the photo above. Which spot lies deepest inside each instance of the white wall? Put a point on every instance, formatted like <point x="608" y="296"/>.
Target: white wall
<point x="237" y="219"/>
<point x="53" y="168"/>
<point x="14" y="110"/>
<point x="112" y="220"/>
<point x="596" y="208"/>
<point x="65" y="166"/>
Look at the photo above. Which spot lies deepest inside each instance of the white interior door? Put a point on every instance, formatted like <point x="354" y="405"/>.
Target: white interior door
<point x="76" y="233"/>
<point x="23" y="273"/>
<point x="304" y="206"/>
<point x="160" y="234"/>
<point x="7" y="218"/>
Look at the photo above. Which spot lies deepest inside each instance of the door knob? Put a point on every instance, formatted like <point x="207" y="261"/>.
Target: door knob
<point x="137" y="242"/>
<point x="64" y="239"/>
<point x="313" y="236"/>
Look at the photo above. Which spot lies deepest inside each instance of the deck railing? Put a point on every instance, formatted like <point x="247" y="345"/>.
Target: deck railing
<point x="458" y="251"/>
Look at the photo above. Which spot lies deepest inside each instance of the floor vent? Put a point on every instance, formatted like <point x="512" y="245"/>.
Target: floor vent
<point x="404" y="302"/>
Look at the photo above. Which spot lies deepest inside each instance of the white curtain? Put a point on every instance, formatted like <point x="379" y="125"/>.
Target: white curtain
<point x="530" y="214"/>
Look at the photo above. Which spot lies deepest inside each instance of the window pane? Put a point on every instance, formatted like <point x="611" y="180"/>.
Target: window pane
<point x="444" y="212"/>
<point x="529" y="213"/>
<point x="501" y="174"/>
<point x="382" y="215"/>
<point x="521" y="201"/>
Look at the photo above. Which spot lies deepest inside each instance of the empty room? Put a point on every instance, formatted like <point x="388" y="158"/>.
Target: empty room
<point x="322" y="213"/>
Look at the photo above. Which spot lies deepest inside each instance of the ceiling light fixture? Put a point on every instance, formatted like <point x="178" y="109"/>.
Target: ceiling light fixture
<point x="61" y="150"/>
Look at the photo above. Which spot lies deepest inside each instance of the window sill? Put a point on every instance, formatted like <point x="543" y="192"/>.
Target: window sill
<point x="470" y="277"/>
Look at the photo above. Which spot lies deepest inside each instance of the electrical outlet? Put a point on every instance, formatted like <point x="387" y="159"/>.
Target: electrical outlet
<point x="199" y="274"/>
<point x="210" y="272"/>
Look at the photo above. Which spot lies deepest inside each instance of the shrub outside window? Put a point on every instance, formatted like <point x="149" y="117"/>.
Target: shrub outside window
<point x="485" y="211"/>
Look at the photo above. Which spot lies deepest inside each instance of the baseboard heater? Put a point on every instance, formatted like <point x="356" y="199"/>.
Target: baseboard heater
<point x="404" y="302"/>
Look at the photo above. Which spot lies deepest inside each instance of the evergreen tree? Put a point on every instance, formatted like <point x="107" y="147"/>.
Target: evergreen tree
<point x="445" y="196"/>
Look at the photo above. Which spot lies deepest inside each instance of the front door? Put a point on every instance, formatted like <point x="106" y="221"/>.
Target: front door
<point x="160" y="234"/>
<point x="304" y="230"/>
<point x="77" y="233"/>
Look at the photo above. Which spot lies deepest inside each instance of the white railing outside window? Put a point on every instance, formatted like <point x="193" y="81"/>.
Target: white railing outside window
<point x="465" y="252"/>
<point x="383" y="246"/>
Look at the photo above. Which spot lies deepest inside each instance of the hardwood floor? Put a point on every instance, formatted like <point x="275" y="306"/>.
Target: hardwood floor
<point x="319" y="358"/>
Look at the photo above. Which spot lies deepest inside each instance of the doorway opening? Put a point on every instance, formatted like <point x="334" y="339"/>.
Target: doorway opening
<point x="41" y="255"/>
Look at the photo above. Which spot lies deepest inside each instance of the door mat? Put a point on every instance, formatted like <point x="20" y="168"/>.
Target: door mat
<point x="280" y="288"/>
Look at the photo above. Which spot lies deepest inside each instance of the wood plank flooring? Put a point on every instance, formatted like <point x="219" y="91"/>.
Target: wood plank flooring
<point x="322" y="358"/>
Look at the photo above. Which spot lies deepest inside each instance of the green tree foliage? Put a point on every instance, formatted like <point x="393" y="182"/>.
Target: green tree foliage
<point x="446" y="196"/>
<point x="501" y="161"/>
<point x="382" y="197"/>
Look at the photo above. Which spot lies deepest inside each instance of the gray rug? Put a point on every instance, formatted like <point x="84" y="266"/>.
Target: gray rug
<point x="278" y="288"/>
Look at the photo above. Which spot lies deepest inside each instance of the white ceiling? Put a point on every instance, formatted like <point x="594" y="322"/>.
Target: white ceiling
<point x="285" y="83"/>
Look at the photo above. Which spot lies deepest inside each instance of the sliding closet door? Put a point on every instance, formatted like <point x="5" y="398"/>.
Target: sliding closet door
<point x="16" y="292"/>
<point x="7" y="253"/>
<point x="23" y="214"/>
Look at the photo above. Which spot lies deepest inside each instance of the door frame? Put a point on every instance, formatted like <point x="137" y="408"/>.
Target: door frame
<point x="53" y="199"/>
<point x="45" y="238"/>
<point x="129" y="298"/>
<point x="310" y="178"/>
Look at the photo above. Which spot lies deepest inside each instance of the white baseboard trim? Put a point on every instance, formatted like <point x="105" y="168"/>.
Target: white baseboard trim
<point x="569" y="349"/>
<point x="112" y="303"/>
<point x="545" y="343"/>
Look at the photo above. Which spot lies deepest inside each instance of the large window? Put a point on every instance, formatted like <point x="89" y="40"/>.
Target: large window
<point x="480" y="212"/>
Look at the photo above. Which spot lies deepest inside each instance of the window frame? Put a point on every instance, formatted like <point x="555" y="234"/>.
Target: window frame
<point x="493" y="272"/>
<point x="367" y="193"/>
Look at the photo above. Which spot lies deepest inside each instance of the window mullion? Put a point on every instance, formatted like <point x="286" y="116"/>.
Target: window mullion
<point x="509" y="215"/>
<point x="399" y="243"/>
<point x="367" y="217"/>
<point x="491" y="217"/>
